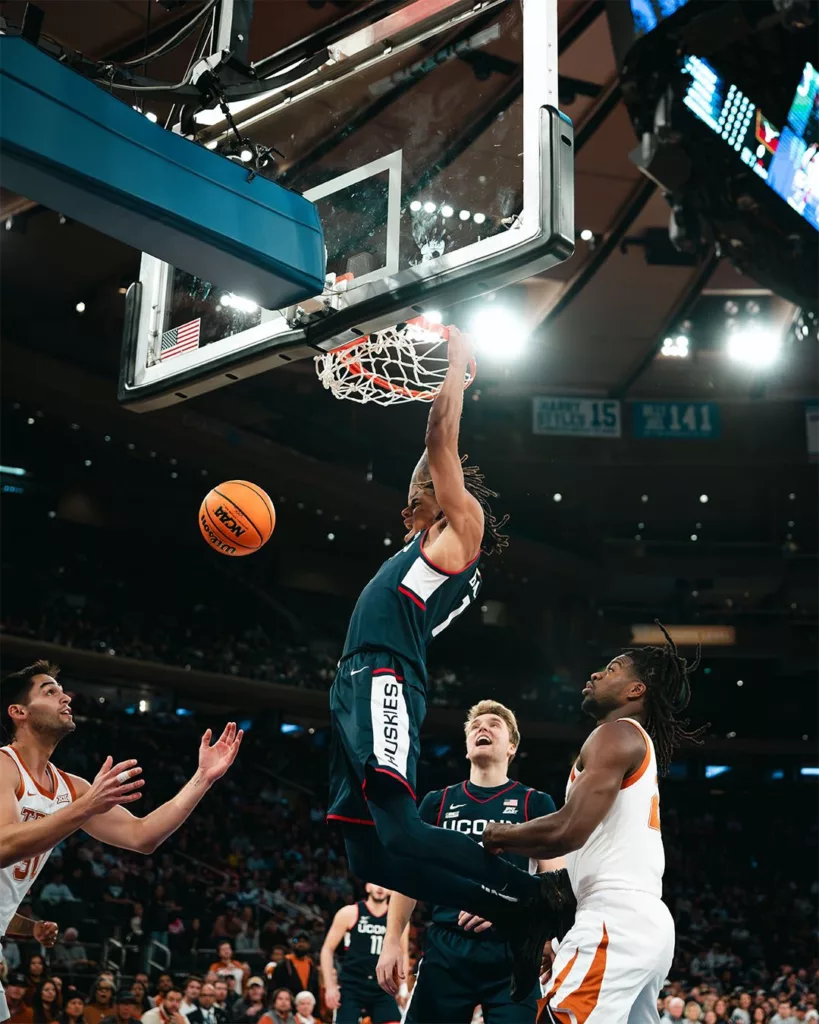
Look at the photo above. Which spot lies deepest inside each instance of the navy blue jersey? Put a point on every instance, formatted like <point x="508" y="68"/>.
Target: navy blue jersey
<point x="469" y="809"/>
<point x="362" y="946"/>
<point x="407" y="603"/>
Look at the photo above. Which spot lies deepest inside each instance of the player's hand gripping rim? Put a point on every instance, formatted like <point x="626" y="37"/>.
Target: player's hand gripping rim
<point x="114" y="784"/>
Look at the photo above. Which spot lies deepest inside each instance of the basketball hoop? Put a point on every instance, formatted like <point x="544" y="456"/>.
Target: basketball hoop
<point x="404" y="363"/>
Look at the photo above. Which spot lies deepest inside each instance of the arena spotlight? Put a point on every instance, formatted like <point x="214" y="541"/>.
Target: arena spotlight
<point x="430" y="207"/>
<point x="498" y="332"/>
<point x="245" y="154"/>
<point x="151" y="116"/>
<point x="754" y="345"/>
<point x="703" y="499"/>
<point x="586" y="235"/>
<point x="80" y="307"/>
<point x="446" y="210"/>
<point x="675" y="348"/>
<point x="464" y="214"/>
<point x="415" y="206"/>
<point x="557" y="497"/>
<point x="479" y="218"/>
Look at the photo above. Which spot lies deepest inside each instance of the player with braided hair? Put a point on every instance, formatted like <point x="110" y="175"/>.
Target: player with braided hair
<point x="611" y="964"/>
<point x="378" y="699"/>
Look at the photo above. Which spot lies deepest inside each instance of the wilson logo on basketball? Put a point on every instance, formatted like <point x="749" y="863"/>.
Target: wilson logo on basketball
<point x="229" y="522"/>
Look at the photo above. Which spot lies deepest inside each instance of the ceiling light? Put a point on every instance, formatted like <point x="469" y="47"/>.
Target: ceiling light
<point x="331" y="536"/>
<point x="446" y="210"/>
<point x="87" y="462"/>
<point x="415" y="206"/>
<point x="703" y="499"/>
<point x="675" y="348"/>
<point x="9" y="223"/>
<point x="80" y="307"/>
<point x="122" y="290"/>
<point x="30" y="421"/>
<point x="212" y="144"/>
<point x="740" y="682"/>
<point x="464" y="214"/>
<point x="430" y="207"/>
<point x="498" y="332"/>
<point x="791" y="496"/>
<point x="641" y="526"/>
<point x="245" y="154"/>
<point x="557" y="497"/>
<point x="693" y="536"/>
<point x="151" y="116"/>
<point x="754" y="345"/>
<point x="587" y="234"/>
<point x="479" y="218"/>
<point x="387" y="542"/>
<point x="644" y="498"/>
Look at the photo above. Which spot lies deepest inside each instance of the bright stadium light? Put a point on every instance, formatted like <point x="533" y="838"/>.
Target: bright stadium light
<point x="430" y="207"/>
<point x="675" y="348"/>
<point x="446" y="210"/>
<point x="415" y="206"/>
<point x="499" y="333"/>
<point x="586" y="235"/>
<point x="479" y="218"/>
<point x="754" y="345"/>
<point x="464" y="214"/>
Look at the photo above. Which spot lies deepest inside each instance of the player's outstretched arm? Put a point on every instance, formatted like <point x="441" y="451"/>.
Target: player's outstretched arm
<point x="44" y="932"/>
<point x="119" y="827"/>
<point x="608" y="755"/>
<point x="391" y="969"/>
<point x="461" y="541"/>
<point x="19" y="840"/>
<point x="344" y="920"/>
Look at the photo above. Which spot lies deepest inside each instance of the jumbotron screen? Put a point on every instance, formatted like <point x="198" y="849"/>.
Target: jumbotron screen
<point x="648" y="14"/>
<point x="787" y="159"/>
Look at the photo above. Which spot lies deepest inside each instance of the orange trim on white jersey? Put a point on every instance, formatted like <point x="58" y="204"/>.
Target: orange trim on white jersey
<point x="635" y="776"/>
<point x="69" y="783"/>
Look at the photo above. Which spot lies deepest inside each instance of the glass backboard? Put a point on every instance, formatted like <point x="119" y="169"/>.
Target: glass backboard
<point x="431" y="144"/>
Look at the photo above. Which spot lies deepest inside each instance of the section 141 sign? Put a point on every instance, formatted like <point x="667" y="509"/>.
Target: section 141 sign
<point x="576" y="417"/>
<point x="699" y="420"/>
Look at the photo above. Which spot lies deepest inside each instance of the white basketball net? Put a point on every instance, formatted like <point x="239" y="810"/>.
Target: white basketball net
<point x="404" y="363"/>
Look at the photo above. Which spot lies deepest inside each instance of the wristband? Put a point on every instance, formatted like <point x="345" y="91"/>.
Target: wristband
<point x="403" y="991"/>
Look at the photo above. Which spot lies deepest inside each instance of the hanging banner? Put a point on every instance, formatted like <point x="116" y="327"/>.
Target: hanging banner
<point x="576" y="417"/>
<point x="691" y="420"/>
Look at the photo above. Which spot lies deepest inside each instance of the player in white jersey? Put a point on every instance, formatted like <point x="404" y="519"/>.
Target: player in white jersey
<point x="41" y="805"/>
<point x="611" y="964"/>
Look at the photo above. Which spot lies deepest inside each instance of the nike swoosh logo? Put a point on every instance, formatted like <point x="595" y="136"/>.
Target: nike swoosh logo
<point x="29" y="793"/>
<point x="356" y="671"/>
<point x="456" y="807"/>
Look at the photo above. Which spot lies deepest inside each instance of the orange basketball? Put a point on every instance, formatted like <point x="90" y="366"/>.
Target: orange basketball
<point x="237" y="517"/>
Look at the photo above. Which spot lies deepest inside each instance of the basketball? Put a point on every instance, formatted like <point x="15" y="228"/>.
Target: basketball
<point x="237" y="518"/>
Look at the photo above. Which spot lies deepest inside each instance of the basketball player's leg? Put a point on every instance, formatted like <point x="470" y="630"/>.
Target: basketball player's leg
<point x="644" y="1008"/>
<point x="352" y="1003"/>
<point x="381" y="1008"/>
<point x="496" y="1002"/>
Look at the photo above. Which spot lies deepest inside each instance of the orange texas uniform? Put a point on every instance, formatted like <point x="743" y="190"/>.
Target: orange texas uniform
<point x="611" y="965"/>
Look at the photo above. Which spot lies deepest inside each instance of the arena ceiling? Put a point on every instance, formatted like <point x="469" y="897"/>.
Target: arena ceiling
<point x="597" y="323"/>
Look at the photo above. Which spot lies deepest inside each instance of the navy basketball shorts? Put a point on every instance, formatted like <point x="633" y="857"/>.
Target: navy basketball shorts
<point x="458" y="973"/>
<point x="377" y="708"/>
<point x="366" y="1000"/>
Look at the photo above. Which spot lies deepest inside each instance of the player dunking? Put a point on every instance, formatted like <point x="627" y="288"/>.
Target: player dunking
<point x="462" y="968"/>
<point x="355" y="993"/>
<point x="378" y="699"/>
<point x="612" y="962"/>
<point x="41" y="805"/>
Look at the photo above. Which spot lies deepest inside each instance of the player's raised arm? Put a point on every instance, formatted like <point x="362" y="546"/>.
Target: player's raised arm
<point x="608" y="756"/>
<point x="119" y="827"/>
<point x="342" y="923"/>
<point x="19" y="840"/>
<point x="461" y="541"/>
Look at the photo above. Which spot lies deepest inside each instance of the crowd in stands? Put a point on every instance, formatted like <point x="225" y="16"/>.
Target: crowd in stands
<point x="255" y="876"/>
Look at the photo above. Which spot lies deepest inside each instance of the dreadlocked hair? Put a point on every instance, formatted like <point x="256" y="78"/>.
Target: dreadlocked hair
<point x="493" y="540"/>
<point x="666" y="675"/>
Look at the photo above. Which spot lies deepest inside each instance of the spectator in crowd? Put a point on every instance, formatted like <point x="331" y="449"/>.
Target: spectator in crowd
<point x="674" y="1009"/>
<point x="71" y="955"/>
<point x="693" y="1011"/>
<point x="784" y="1013"/>
<point x="226" y="965"/>
<point x="190" y="998"/>
<point x="305" y="1004"/>
<point x="721" y="1012"/>
<point x="297" y="972"/>
<point x="56" y="891"/>
<point x="140" y="993"/>
<point x="207" y="1012"/>
<point x="73" y="1009"/>
<point x="254" y="1004"/>
<point x="168" y="1011"/>
<point x="248" y="938"/>
<point x="233" y="992"/>
<point x="282" y="1011"/>
<point x="35" y="973"/>
<point x="16" y="988"/>
<point x="46" y="1003"/>
<point x="220" y="992"/>
<point x="100" y="1003"/>
<point x="742" y="1012"/>
<point x="126" y="1009"/>
<point x="164" y="983"/>
<point x="227" y="925"/>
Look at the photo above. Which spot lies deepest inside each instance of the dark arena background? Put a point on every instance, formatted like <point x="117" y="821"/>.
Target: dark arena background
<point x="647" y="410"/>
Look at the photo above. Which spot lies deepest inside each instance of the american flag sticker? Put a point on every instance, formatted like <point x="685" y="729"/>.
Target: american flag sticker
<point x="510" y="803"/>
<point x="179" y="339"/>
